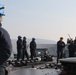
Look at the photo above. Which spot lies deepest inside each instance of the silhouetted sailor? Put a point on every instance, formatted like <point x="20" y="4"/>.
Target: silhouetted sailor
<point x="24" y="51"/>
<point x="60" y="46"/>
<point x="5" y="45"/>
<point x="19" y="47"/>
<point x="32" y="48"/>
<point x="75" y="44"/>
<point x="71" y="48"/>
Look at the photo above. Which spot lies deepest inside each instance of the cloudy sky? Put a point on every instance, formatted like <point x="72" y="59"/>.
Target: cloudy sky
<point x="45" y="19"/>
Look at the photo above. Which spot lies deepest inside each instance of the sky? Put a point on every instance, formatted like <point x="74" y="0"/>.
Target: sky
<point x="44" y="19"/>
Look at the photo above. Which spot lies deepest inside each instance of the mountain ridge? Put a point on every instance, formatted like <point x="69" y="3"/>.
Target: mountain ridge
<point x="38" y="41"/>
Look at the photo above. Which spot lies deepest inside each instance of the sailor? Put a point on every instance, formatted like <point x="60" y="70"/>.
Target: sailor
<point x="71" y="48"/>
<point x="75" y="45"/>
<point x="19" y="48"/>
<point x="60" y="47"/>
<point x="5" y="44"/>
<point x="33" y="48"/>
<point x="24" y="50"/>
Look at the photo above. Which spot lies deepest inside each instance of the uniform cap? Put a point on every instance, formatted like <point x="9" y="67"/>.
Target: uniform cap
<point x="19" y="37"/>
<point x="2" y="12"/>
<point x="24" y="37"/>
<point x="33" y="38"/>
<point x="1" y="6"/>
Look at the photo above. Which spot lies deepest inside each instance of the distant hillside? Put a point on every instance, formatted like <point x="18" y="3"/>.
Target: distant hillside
<point x="44" y="41"/>
<point x="38" y="41"/>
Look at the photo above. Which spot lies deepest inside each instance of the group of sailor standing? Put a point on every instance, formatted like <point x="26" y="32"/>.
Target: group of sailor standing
<point x="71" y="46"/>
<point x="22" y="48"/>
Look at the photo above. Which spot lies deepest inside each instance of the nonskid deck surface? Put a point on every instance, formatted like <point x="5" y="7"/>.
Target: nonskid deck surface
<point x="33" y="71"/>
